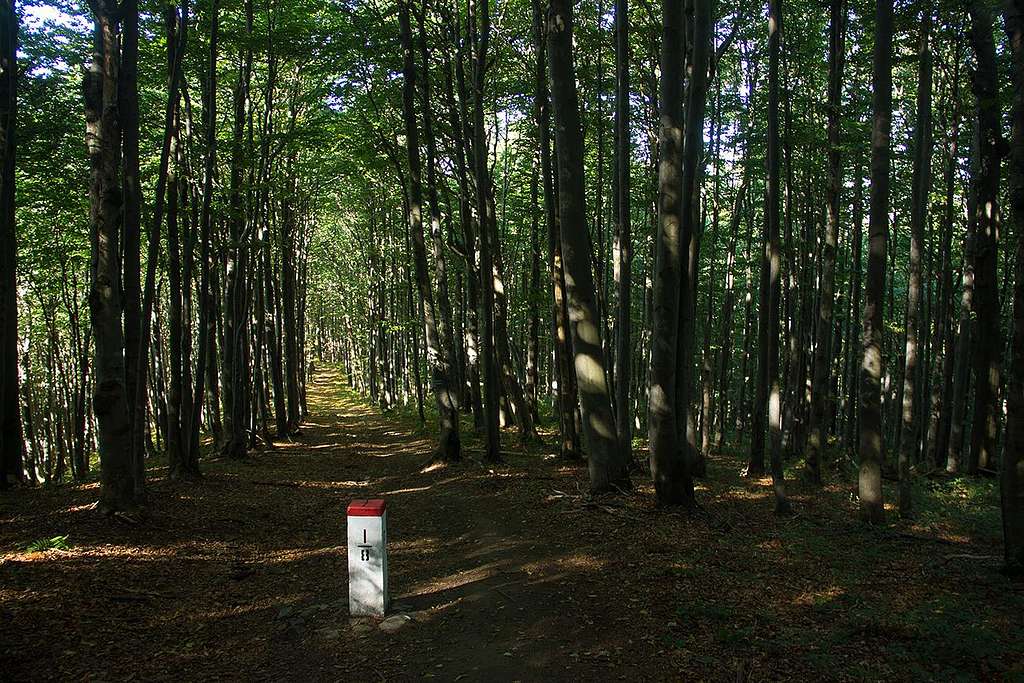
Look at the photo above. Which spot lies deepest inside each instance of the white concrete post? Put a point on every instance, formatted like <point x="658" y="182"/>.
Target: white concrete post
<point x="367" y="557"/>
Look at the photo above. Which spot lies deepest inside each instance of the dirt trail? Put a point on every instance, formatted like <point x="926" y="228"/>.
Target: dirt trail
<point x="509" y="573"/>
<point x="245" y="572"/>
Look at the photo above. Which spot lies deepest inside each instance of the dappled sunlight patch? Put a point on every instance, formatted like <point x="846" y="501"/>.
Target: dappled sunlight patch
<point x="574" y="562"/>
<point x="817" y="598"/>
<point x="744" y="494"/>
<point x="415" y="489"/>
<point x="453" y="581"/>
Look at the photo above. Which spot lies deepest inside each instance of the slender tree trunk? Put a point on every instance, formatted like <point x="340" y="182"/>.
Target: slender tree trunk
<point x="774" y="259"/>
<point x="938" y="424"/>
<point x="128" y="111"/>
<point x="673" y="479"/>
<point x="623" y="268"/>
<point x="447" y="340"/>
<point x="607" y="461"/>
<point x="691" y="229"/>
<point x="448" y="448"/>
<point x="174" y="300"/>
<point x="565" y="380"/>
<point x="918" y="219"/>
<point x="821" y="383"/>
<point x="480" y="37"/>
<point x="852" y="384"/>
<point x="871" y="450"/>
<point x="206" y="361"/>
<point x="11" y="462"/>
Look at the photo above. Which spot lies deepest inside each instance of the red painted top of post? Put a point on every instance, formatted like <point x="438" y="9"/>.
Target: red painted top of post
<point x="373" y="507"/>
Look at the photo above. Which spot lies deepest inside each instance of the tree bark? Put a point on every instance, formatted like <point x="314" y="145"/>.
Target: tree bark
<point x="11" y="461"/>
<point x="118" y="492"/>
<point x="918" y="219"/>
<point x="564" y="375"/>
<point x="691" y="229"/>
<point x="448" y="447"/>
<point x="774" y="259"/>
<point x="206" y="361"/>
<point x="821" y="382"/>
<point x="607" y="461"/>
<point x="673" y="479"/>
<point x="623" y="267"/>
<point x="871" y="450"/>
<point x="480" y="39"/>
<point x="986" y="217"/>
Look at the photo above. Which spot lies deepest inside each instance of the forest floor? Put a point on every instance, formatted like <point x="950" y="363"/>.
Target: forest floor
<point x="509" y="573"/>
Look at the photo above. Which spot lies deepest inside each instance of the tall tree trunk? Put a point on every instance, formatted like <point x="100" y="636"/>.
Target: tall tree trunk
<point x="447" y="341"/>
<point x="918" y="218"/>
<point x="938" y="423"/>
<point x="852" y="384"/>
<point x="673" y="479"/>
<point x="986" y="216"/>
<point x="871" y="450"/>
<point x="691" y="229"/>
<point x="110" y="397"/>
<point x="623" y="267"/>
<point x="131" y="222"/>
<point x="448" y="447"/>
<point x="236" y="336"/>
<point x="174" y="295"/>
<point x="774" y="259"/>
<point x="821" y="383"/>
<point x="480" y="31"/>
<point x="11" y="465"/>
<point x="532" y="288"/>
<point x="1012" y="467"/>
<point x="206" y="361"/>
<point x="565" y="378"/>
<point x="607" y="461"/>
<point x="175" y="53"/>
<point x="288" y="285"/>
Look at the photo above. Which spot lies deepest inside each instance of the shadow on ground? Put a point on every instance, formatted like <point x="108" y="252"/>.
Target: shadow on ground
<point x="510" y="572"/>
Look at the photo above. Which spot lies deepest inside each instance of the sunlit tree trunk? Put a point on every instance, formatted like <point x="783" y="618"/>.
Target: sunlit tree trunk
<point x="871" y="449"/>
<point x="448" y="448"/>
<point x="673" y="479"/>
<point x="564" y="375"/>
<point x="480" y="31"/>
<point x="623" y="252"/>
<point x="918" y="218"/>
<point x="607" y="461"/>
<point x="446" y="339"/>
<point x="774" y="260"/>
<point x="691" y="229"/>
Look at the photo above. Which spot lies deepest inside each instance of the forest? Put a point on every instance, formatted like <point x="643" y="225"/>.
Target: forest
<point x="685" y="339"/>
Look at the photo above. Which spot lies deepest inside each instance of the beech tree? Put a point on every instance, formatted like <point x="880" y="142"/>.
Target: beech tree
<point x="871" y="449"/>
<point x="607" y="460"/>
